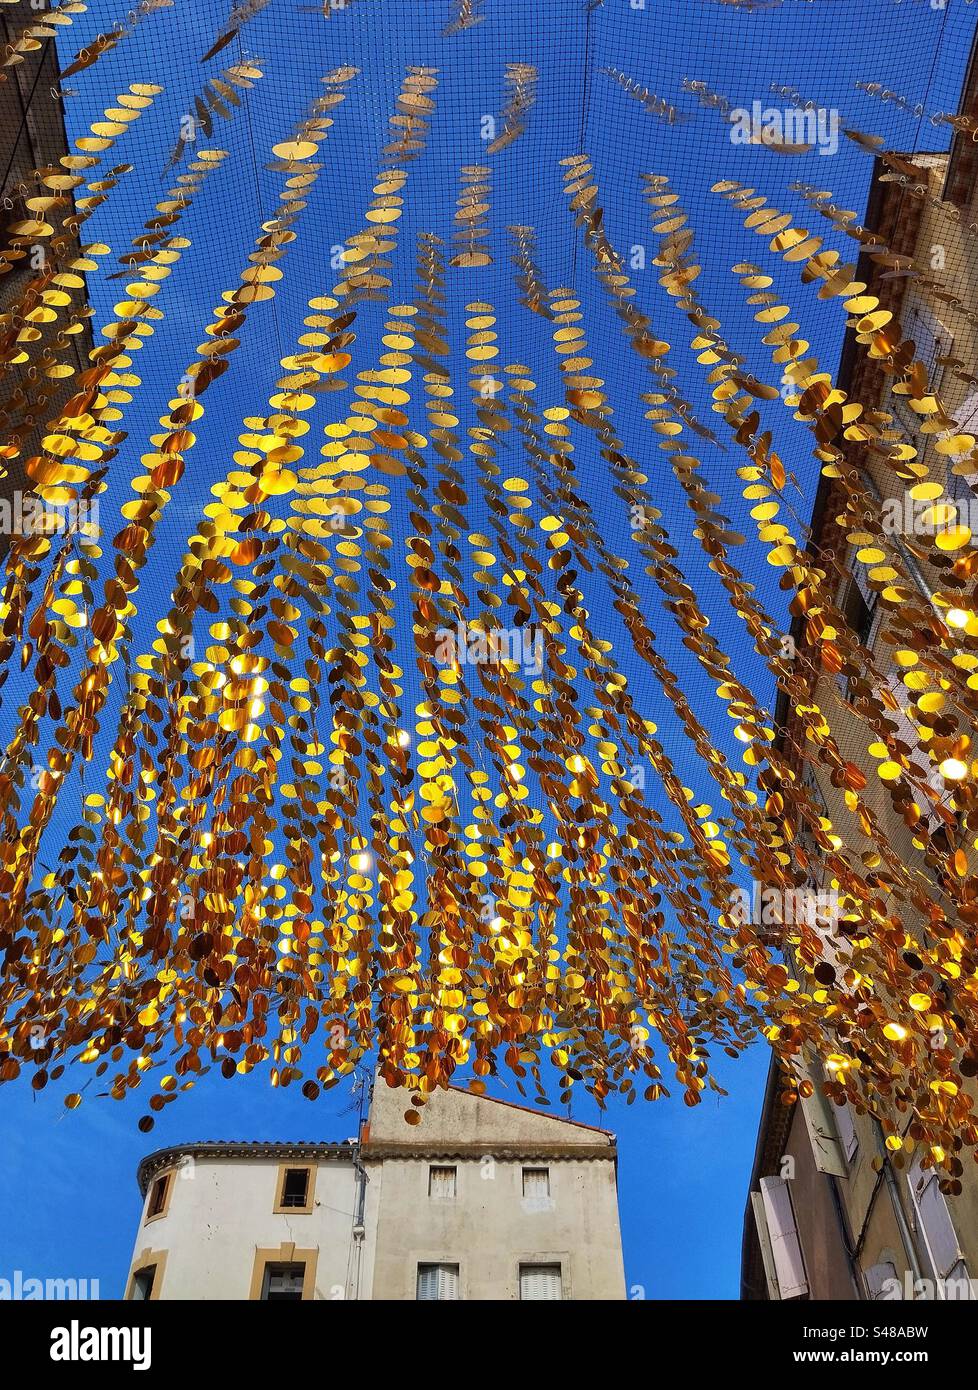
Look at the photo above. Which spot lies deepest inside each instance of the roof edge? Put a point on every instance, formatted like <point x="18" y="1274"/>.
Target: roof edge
<point x="240" y="1148"/>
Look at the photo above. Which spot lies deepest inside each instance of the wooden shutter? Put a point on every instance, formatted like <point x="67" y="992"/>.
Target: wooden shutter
<point x="876" y="1277"/>
<point x="785" y="1245"/>
<point x="764" y="1241"/>
<point x="820" y="1122"/>
<point x="540" y="1282"/>
<point x="935" y="1225"/>
<point x="846" y="1128"/>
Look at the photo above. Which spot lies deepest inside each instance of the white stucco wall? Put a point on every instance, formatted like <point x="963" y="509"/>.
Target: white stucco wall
<point x="221" y="1215"/>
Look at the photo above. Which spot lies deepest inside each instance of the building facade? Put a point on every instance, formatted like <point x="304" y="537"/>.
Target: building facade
<point x="481" y="1200"/>
<point x="832" y="1212"/>
<point x="33" y="140"/>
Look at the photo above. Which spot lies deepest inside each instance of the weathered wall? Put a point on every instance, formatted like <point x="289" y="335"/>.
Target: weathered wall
<point x="489" y="1230"/>
<point x="218" y="1218"/>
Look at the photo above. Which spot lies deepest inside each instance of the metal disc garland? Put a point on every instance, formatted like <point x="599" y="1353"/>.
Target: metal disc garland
<point x="398" y="762"/>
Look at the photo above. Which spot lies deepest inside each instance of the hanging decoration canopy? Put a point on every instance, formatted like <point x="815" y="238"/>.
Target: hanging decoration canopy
<point x="391" y="409"/>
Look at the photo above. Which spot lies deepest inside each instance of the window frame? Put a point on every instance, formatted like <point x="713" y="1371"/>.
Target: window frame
<point x="280" y="1208"/>
<point x="166" y="1176"/>
<point x="535" y="1168"/>
<point x="541" y="1263"/>
<point x="449" y="1264"/>
<point x="286" y="1254"/>
<point x="434" y="1168"/>
<point x="146" y="1259"/>
<point x="270" y="1265"/>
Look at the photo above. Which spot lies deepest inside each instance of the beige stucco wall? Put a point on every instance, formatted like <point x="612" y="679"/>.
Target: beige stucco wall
<point x="826" y="1264"/>
<point x="221" y="1210"/>
<point x="489" y="1230"/>
<point x="874" y="1217"/>
<point x="221" y="1213"/>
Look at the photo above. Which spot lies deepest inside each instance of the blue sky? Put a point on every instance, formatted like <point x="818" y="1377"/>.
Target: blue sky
<point x="68" y="1198"/>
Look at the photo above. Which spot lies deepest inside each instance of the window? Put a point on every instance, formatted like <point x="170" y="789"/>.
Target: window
<point x="536" y="1183"/>
<point x="859" y="610"/>
<point x="157" y="1197"/>
<point x="437" y="1283"/>
<point x="295" y="1189"/>
<point x="441" y="1182"/>
<point x="142" y="1284"/>
<point x="540" y="1282"/>
<point x="860" y="607"/>
<point x="283" y="1283"/>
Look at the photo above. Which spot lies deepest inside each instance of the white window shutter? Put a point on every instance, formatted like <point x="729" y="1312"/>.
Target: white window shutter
<point x="935" y="1224"/>
<point x="931" y="339"/>
<point x="441" y="1182"/>
<point x="536" y="1182"/>
<point x="966" y="414"/>
<point x="540" y="1283"/>
<point x="764" y="1241"/>
<point x="785" y="1245"/>
<point x="820" y="1121"/>
<point x="438" y="1283"/>
<point x="846" y="1128"/>
<point x="877" y="1279"/>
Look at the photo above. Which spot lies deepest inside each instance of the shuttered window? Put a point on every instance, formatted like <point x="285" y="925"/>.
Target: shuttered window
<point x="785" y="1245"/>
<point x="846" y="1126"/>
<point x="438" y="1283"/>
<point x="831" y="1128"/>
<point x="820" y="1122"/>
<point x="536" y="1182"/>
<point x="540" y="1282"/>
<point x="966" y="415"/>
<point x="878" y="1281"/>
<point x="935" y="1225"/>
<point x="441" y="1182"/>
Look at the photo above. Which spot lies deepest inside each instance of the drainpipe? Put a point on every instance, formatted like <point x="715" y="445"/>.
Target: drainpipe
<point x="358" y="1220"/>
<point x="905" y="1231"/>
